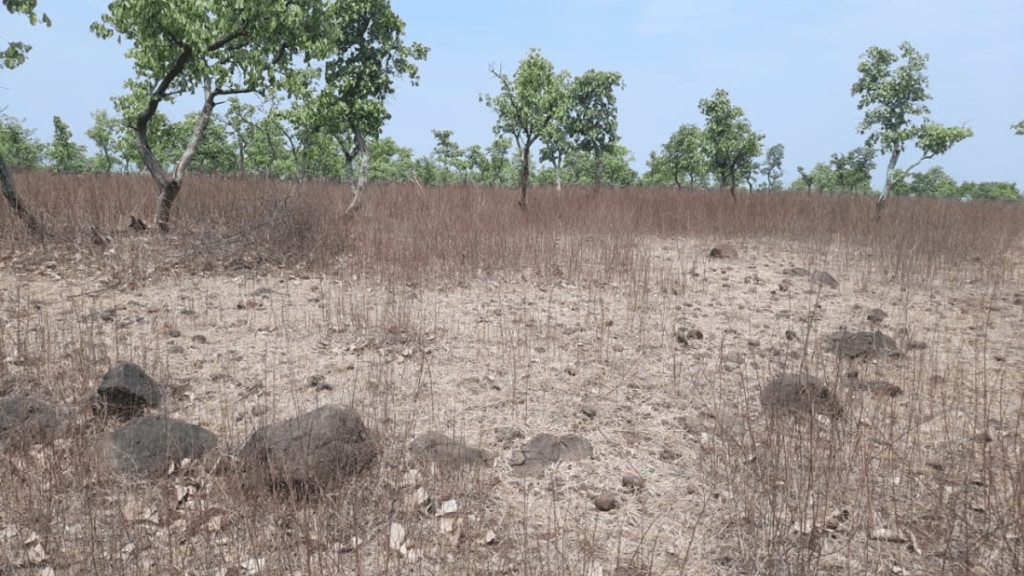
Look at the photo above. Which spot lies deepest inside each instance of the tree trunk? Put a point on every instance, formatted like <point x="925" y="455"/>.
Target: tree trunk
<point x="359" y="184"/>
<point x="11" y="194"/>
<point x="598" y="171"/>
<point x="524" y="176"/>
<point x="893" y="159"/>
<point x="558" y="176"/>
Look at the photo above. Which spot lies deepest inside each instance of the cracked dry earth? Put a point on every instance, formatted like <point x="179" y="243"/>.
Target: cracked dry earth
<point x="712" y="485"/>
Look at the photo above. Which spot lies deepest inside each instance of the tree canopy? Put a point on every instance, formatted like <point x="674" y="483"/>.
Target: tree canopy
<point x="339" y="58"/>
<point x="729" y="143"/>
<point x="892" y="91"/>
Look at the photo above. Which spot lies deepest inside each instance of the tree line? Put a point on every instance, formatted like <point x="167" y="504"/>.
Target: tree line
<point x="298" y="89"/>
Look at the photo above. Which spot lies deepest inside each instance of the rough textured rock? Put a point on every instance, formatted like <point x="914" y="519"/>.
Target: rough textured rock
<point x="724" y="251"/>
<point x="545" y="449"/>
<point x="799" y="394"/>
<point x="876" y="387"/>
<point x="824" y="278"/>
<point x="876" y="315"/>
<point x="859" y="344"/>
<point x="25" y="421"/>
<point x="440" y="449"/>
<point x="308" y="452"/>
<point x="126" y="391"/>
<point x="150" y="444"/>
<point x="606" y="501"/>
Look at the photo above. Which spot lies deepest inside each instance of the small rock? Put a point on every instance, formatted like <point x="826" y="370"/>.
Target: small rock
<point x="724" y="252"/>
<point x="633" y="482"/>
<point x="791" y="335"/>
<point x="734" y="358"/>
<point x="824" y="278"/>
<point x="606" y="501"/>
<point x="126" y="391"/>
<point x="876" y="315"/>
<point x="589" y="411"/>
<point x="508" y="434"/>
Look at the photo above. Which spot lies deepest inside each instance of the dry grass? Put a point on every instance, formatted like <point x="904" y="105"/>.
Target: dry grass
<point x="448" y="309"/>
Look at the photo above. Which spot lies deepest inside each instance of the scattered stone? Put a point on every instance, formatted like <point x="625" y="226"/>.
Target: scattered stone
<point x="916" y="345"/>
<point x="633" y="482"/>
<point x="309" y="451"/>
<point x="734" y="358"/>
<point x="791" y="335"/>
<point x="507" y="435"/>
<point x="126" y="391"/>
<point x="149" y="445"/>
<point x="199" y="339"/>
<point x="681" y="337"/>
<point x="174" y="333"/>
<point x="25" y="421"/>
<point x="440" y="449"/>
<point x="799" y="394"/>
<point x="694" y="334"/>
<point x="796" y="272"/>
<point x="824" y="278"/>
<point x="175" y="349"/>
<point x="589" y="411"/>
<point x="724" y="252"/>
<point x="318" y="382"/>
<point x="860" y="344"/>
<point x="876" y="387"/>
<point x="606" y="501"/>
<point x="137" y="224"/>
<point x="545" y="449"/>
<point x="876" y="315"/>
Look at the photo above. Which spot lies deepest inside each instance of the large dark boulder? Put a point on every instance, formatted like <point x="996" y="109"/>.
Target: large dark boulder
<point x="309" y="452"/>
<point x="148" y="445"/>
<point x="25" y="421"/>
<point x="126" y="391"/>
<point x="545" y="449"/>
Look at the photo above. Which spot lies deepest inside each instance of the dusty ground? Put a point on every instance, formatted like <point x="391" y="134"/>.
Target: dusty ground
<point x="469" y="357"/>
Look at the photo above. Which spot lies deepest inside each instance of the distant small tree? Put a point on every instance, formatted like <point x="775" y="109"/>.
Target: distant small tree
<point x="526" y="105"/>
<point x="389" y="162"/>
<point x="449" y="156"/>
<point x="849" y="172"/>
<point x="730" y="144"/>
<point x="892" y="91"/>
<point x="932" y="183"/>
<point x="681" y="160"/>
<point x="103" y="134"/>
<point x="65" y="155"/>
<point x="1018" y="128"/>
<point x="989" y="190"/>
<point x="771" y="168"/>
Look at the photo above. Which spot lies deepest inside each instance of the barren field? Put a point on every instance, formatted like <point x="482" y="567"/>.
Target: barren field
<point x="635" y="339"/>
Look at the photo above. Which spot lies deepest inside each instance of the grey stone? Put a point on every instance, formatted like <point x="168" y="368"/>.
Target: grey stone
<point x="25" y="421"/>
<point x="860" y="344"/>
<point x="126" y="391"/>
<point x="148" y="445"/>
<point x="824" y="278"/>
<point x="440" y="449"/>
<point x="545" y="449"/>
<point x="308" y="452"/>
<point x="799" y="394"/>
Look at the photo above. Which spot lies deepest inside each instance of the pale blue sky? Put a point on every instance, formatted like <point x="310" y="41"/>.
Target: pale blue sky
<point x="788" y="64"/>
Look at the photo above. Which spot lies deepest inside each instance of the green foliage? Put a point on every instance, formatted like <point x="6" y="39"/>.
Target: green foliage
<point x="730" y="144"/>
<point x="892" y="91"/>
<point x="389" y="162"/>
<point x="1018" y="128"/>
<point x="989" y="190"/>
<point x="592" y="121"/>
<point x="932" y="183"/>
<point x="580" y="167"/>
<point x="771" y="169"/>
<point x="64" y="154"/>
<point x="15" y="53"/>
<point x="526" y="105"/>
<point x="452" y="160"/>
<point x="20" y="147"/>
<point x="681" y="161"/>
<point x="104" y="133"/>
<point x="850" y="172"/>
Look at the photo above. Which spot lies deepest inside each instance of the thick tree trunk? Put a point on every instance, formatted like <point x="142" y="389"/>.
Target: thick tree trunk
<point x="13" y="200"/>
<point x="598" y="171"/>
<point x="558" y="176"/>
<point x="524" y="177"/>
<point x="359" y="184"/>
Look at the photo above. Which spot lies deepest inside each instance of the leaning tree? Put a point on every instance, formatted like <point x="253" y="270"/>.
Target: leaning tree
<point x="308" y="49"/>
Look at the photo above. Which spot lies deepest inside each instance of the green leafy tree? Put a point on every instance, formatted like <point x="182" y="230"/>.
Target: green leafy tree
<point x="526" y="105"/>
<point x="771" y="169"/>
<point x="64" y="154"/>
<point x="593" y="115"/>
<point x="989" y="190"/>
<point x="104" y="134"/>
<point x="892" y="91"/>
<point x="321" y="52"/>
<point x="11" y="56"/>
<point x="1018" y="128"/>
<point x="389" y="162"/>
<point x="449" y="157"/>
<point x="849" y="172"/>
<point x="729" y="144"/>
<point x="681" y="161"/>
<point x="932" y="183"/>
<point x="499" y="169"/>
<point x="580" y="167"/>
<point x="19" y="144"/>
